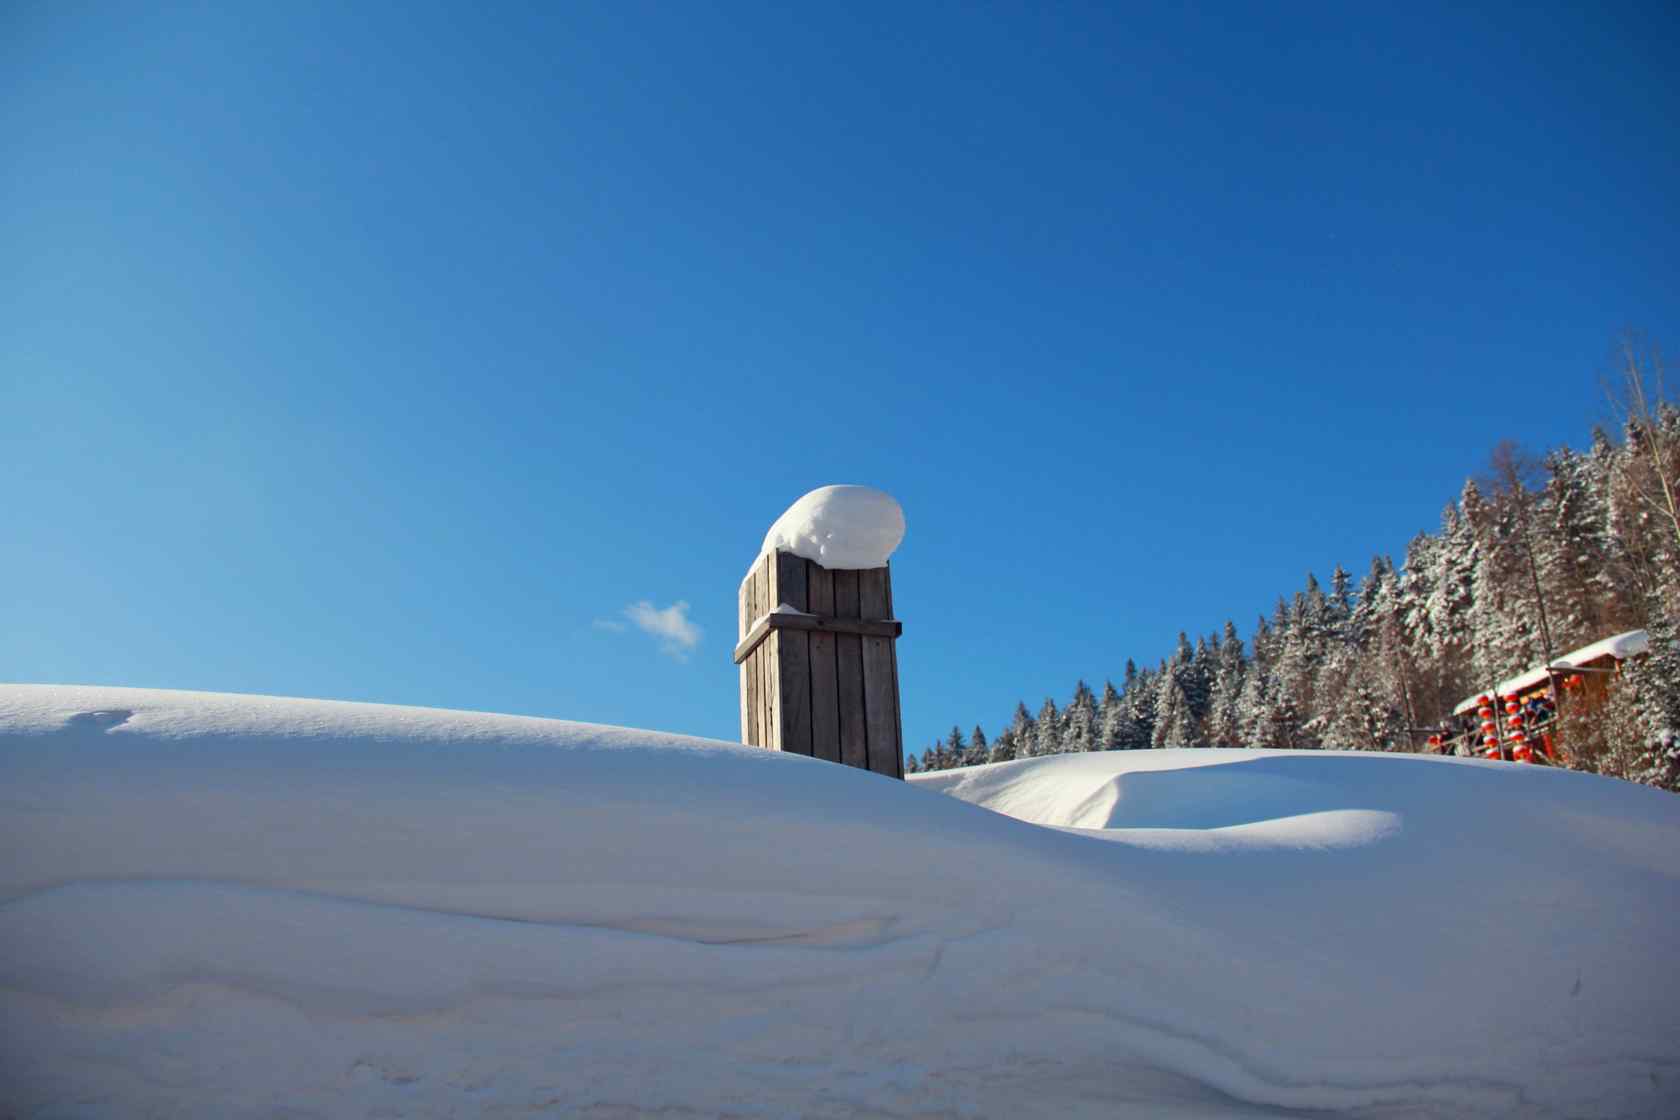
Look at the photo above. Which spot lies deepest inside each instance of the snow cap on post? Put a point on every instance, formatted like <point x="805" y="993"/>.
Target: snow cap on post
<point x="840" y="527"/>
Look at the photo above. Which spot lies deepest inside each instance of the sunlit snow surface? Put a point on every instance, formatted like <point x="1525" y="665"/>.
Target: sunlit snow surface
<point x="223" y="906"/>
<point x="840" y="527"/>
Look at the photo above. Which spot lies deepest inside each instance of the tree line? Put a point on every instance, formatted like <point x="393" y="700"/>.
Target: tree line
<point x="1534" y="559"/>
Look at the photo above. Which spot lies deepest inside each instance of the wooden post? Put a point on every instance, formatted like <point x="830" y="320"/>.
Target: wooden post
<point x="819" y="663"/>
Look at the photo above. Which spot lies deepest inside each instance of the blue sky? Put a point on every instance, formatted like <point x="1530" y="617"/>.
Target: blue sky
<point x="391" y="352"/>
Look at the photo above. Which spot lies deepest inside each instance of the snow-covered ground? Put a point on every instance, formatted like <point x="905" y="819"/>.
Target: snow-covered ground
<point x="223" y="906"/>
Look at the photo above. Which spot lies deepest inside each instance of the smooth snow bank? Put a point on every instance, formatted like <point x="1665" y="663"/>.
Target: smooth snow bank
<point x="1174" y="789"/>
<point x="840" y="527"/>
<point x="221" y="905"/>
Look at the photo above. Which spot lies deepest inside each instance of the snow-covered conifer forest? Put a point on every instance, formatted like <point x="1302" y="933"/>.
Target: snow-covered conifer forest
<point x="1537" y="557"/>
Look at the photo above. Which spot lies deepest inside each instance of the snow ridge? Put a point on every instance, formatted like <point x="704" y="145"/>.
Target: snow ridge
<point x="220" y="905"/>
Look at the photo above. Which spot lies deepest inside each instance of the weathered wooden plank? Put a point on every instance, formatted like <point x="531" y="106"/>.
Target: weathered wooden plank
<point x="761" y="657"/>
<point x="793" y="671"/>
<point x="770" y="652"/>
<point x="790" y="585"/>
<point x="848" y="667"/>
<point x="762" y="679"/>
<point x="792" y="656"/>
<point x="898" y="714"/>
<point x="825" y="700"/>
<point x="746" y="668"/>
<point x="845" y="594"/>
<point x="880" y="696"/>
<point x="869" y="627"/>
<point x="742" y="624"/>
<point x="772" y="569"/>
<point x="755" y="692"/>
<point x="898" y="701"/>
<point x="766" y="677"/>
<point x="752" y="641"/>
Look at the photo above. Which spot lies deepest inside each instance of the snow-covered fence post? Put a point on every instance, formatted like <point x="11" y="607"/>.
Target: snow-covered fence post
<point x="817" y="654"/>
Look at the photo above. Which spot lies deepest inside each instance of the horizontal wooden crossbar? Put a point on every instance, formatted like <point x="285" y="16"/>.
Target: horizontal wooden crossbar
<point x="869" y="627"/>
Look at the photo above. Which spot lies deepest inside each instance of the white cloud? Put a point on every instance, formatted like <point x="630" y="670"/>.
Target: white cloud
<point x="677" y="633"/>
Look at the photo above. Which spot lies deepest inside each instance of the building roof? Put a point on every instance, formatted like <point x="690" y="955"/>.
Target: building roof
<point x="1619" y="646"/>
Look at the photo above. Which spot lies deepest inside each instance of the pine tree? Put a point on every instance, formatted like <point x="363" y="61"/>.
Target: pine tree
<point x="1576" y="552"/>
<point x="1655" y="683"/>
<point x="1451" y="619"/>
<point x="1123" y="727"/>
<point x="979" y="751"/>
<point x="1230" y="673"/>
<point x="1505" y="632"/>
<point x="1303" y="642"/>
<point x="1024" y="731"/>
<point x="1080" y="721"/>
<point x="1049" y="730"/>
<point x="1176" y="700"/>
<point x="1380" y="725"/>
<point x="1514" y="471"/>
<point x="1253" y="701"/>
<point x="1109" y="717"/>
<point x="1198" y="682"/>
<point x="1175" y="724"/>
<point x="956" y="747"/>
<point x="1413" y="587"/>
<point x="1283" y="728"/>
<point x="1645" y="481"/>
<point x="1396" y="659"/>
<point x="1336" y="679"/>
<point x="1137" y="708"/>
<point x="1650" y="480"/>
<point x="1340" y="596"/>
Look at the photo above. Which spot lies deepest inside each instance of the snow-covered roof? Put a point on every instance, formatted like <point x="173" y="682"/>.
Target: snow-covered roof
<point x="1619" y="646"/>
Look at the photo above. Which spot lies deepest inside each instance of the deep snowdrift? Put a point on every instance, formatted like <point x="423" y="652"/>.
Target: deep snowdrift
<point x="245" y="906"/>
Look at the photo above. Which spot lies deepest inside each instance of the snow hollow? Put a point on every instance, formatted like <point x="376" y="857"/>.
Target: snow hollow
<point x="223" y="906"/>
